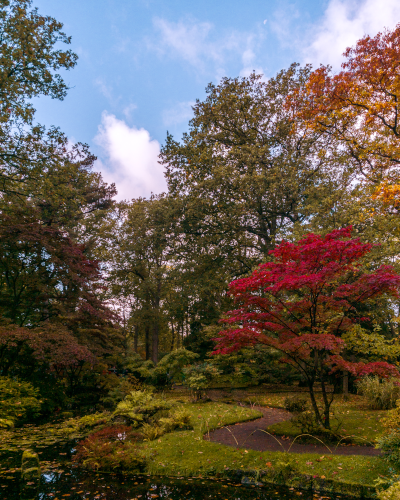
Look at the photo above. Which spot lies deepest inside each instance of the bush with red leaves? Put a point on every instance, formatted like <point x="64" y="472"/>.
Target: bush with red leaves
<point x="111" y="449"/>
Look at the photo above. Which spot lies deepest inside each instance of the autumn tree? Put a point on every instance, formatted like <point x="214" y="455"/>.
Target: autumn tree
<point x="359" y="107"/>
<point x="304" y="303"/>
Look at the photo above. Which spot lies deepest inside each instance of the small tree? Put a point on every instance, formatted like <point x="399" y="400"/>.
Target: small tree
<point x="303" y="302"/>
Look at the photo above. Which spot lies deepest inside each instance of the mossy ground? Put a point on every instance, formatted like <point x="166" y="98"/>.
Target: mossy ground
<point x="350" y="418"/>
<point x="186" y="453"/>
<point x="189" y="453"/>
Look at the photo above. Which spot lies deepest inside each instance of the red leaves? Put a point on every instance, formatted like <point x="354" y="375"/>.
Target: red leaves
<point x="303" y="301"/>
<point x="52" y="346"/>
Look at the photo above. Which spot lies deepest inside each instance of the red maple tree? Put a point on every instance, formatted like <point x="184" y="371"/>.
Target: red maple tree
<point x="302" y="302"/>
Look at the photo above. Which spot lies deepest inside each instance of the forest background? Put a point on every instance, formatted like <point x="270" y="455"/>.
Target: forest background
<point x="91" y="289"/>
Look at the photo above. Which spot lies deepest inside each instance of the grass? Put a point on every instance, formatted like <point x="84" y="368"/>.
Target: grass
<point x="351" y="418"/>
<point x="186" y="453"/>
<point x="359" y="427"/>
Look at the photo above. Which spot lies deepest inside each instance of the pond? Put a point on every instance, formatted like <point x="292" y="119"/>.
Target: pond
<point x="60" y="480"/>
<point x="74" y="485"/>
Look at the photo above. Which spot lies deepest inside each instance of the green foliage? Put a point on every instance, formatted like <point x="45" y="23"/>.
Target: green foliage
<point x="93" y="420"/>
<point x="198" y="378"/>
<point x="171" y="366"/>
<point x="295" y="404"/>
<point x="389" y="442"/>
<point x="139" y="406"/>
<point x="19" y="401"/>
<point x="371" y="343"/>
<point x="392" y="493"/>
<point x="390" y="446"/>
<point x="120" y="391"/>
<point x="151" y="432"/>
<point x="381" y="394"/>
<point x="6" y="423"/>
<point x="306" y="423"/>
<point x="391" y="420"/>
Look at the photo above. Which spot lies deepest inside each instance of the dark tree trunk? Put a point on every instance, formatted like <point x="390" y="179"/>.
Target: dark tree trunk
<point x="136" y="338"/>
<point x="147" y="341"/>
<point x="172" y="336"/>
<point x="154" y="351"/>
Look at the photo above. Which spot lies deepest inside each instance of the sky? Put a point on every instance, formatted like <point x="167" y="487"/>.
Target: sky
<point x="143" y="63"/>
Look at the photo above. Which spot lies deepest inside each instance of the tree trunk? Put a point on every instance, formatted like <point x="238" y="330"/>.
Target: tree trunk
<point x="314" y="403"/>
<point x="327" y="406"/>
<point x="147" y="341"/>
<point x="345" y="385"/>
<point x="154" y="352"/>
<point x="172" y="336"/>
<point x="136" y="338"/>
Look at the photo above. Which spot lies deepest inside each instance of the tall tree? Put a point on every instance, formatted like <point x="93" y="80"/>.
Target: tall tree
<point x="248" y="169"/>
<point x="139" y="257"/>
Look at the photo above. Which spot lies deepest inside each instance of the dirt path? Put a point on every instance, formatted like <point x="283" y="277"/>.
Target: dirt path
<point x="249" y="435"/>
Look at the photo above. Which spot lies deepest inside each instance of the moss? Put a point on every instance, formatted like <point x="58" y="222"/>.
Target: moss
<point x="30" y="468"/>
<point x="186" y="453"/>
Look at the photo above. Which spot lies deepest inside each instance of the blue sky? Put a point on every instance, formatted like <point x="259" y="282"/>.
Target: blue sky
<point x="143" y="63"/>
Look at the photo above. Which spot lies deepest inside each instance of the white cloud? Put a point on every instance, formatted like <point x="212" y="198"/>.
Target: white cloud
<point x="181" y="112"/>
<point x="128" y="110"/>
<point x="130" y="159"/>
<point x="203" y="47"/>
<point x="346" y="21"/>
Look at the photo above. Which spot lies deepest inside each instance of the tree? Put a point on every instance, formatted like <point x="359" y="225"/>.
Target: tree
<point x="248" y="169"/>
<point x="303" y="303"/>
<point x="359" y="107"/>
<point x="247" y="172"/>
<point x="138" y="252"/>
<point x="51" y="200"/>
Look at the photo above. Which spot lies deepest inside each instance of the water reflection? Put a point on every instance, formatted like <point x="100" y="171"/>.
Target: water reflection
<point x="73" y="484"/>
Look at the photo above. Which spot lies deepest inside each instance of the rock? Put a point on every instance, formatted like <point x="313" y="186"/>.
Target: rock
<point x="250" y="481"/>
<point x="30" y="468"/>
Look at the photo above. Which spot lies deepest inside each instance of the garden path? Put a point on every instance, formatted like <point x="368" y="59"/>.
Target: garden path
<point x="250" y="435"/>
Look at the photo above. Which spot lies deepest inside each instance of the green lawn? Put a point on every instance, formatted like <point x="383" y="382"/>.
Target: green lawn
<point x="351" y="418"/>
<point x="186" y="453"/>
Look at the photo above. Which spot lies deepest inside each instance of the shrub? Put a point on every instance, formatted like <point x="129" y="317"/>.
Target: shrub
<point x="111" y="449"/>
<point x="199" y="377"/>
<point x="93" y="420"/>
<point x="392" y="493"/>
<point x="390" y="445"/>
<point x="19" y="401"/>
<point x="295" y="404"/>
<point x="139" y="406"/>
<point x="391" y="421"/>
<point x="381" y="395"/>
<point x="306" y="423"/>
<point x="121" y="390"/>
<point x="179" y="419"/>
<point x="152" y="432"/>
<point x="171" y="366"/>
<point x="390" y="441"/>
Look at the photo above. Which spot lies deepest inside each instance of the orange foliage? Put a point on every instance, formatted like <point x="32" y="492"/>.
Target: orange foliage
<point x="360" y="107"/>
